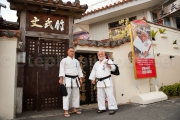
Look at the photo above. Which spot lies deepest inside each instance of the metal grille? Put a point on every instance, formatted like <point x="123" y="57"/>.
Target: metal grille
<point x="41" y="88"/>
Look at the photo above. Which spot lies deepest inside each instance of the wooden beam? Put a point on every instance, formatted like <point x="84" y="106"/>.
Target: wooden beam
<point x="23" y="27"/>
<point x="70" y="31"/>
<point x="75" y="15"/>
<point x="16" y="6"/>
<point x="46" y="35"/>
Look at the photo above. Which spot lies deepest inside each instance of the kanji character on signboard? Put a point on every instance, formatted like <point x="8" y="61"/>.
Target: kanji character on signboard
<point x="48" y="23"/>
<point x="59" y="25"/>
<point x="34" y="23"/>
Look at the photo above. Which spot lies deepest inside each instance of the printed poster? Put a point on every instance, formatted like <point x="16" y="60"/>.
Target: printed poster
<point x="142" y="50"/>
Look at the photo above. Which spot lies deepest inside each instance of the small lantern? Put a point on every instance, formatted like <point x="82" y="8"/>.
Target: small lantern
<point x="21" y="57"/>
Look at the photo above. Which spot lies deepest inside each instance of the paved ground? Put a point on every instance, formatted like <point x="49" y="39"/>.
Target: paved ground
<point x="165" y="110"/>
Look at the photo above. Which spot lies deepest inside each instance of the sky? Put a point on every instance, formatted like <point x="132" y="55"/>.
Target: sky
<point x="10" y="15"/>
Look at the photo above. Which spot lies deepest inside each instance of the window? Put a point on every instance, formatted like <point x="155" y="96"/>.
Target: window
<point x="119" y="29"/>
<point x="167" y="21"/>
<point x="163" y="21"/>
<point x="154" y="16"/>
<point x="178" y="22"/>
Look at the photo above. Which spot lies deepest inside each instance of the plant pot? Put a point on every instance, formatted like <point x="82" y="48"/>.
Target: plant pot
<point x="154" y="42"/>
<point x="153" y="39"/>
<point x="163" y="35"/>
<point x="175" y="46"/>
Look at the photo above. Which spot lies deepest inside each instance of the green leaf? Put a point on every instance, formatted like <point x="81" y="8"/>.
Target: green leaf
<point x="162" y="30"/>
<point x="153" y="34"/>
<point x="175" y="42"/>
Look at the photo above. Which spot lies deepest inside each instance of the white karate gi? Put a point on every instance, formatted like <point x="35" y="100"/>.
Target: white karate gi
<point x="69" y="66"/>
<point x="144" y="46"/>
<point x="104" y="87"/>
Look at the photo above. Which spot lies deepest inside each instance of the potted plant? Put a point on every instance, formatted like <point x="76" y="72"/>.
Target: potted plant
<point x="175" y="45"/>
<point x="153" y="34"/>
<point x="162" y="33"/>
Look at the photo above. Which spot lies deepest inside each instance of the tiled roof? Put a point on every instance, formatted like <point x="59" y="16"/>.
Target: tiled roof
<point x="56" y="5"/>
<point x="102" y="43"/>
<point x="8" y="24"/>
<point x="11" y="33"/>
<point x="75" y="4"/>
<point x="107" y="7"/>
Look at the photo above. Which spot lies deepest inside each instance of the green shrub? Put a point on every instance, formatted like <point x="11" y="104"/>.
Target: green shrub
<point x="171" y="90"/>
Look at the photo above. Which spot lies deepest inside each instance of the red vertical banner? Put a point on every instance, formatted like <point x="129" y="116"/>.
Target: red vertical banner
<point x="142" y="50"/>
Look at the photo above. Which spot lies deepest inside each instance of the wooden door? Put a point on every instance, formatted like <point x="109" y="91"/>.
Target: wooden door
<point x="87" y="91"/>
<point x="41" y="88"/>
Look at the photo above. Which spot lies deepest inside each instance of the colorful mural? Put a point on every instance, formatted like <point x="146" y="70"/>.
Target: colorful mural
<point x="82" y="35"/>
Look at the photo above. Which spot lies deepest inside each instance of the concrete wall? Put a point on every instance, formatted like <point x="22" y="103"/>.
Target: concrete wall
<point x="167" y="69"/>
<point x="7" y="77"/>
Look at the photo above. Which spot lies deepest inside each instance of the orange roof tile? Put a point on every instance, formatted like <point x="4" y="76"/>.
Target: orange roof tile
<point x="106" y="7"/>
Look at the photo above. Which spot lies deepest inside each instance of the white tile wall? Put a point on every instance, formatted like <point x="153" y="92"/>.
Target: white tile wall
<point x="99" y="31"/>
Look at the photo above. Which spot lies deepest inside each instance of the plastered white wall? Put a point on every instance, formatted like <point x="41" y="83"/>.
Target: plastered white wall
<point x="7" y="77"/>
<point x="167" y="69"/>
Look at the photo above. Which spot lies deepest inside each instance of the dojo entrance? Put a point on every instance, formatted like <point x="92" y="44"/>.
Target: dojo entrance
<point x="41" y="88"/>
<point x="87" y="91"/>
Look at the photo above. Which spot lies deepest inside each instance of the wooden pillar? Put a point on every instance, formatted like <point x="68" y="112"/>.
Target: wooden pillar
<point x="70" y="31"/>
<point x="23" y="27"/>
<point x="20" y="77"/>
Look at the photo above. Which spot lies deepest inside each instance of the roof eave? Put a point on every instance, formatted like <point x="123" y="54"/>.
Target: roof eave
<point x="116" y="11"/>
<point x="71" y="9"/>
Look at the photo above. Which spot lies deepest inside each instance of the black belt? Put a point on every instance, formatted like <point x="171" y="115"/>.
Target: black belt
<point x="72" y="77"/>
<point x="101" y="79"/>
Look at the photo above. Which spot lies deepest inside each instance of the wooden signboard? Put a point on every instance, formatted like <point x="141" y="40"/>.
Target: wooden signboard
<point x="171" y="8"/>
<point x="41" y="22"/>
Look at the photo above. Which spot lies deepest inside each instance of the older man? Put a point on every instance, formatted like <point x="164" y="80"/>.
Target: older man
<point x="101" y="75"/>
<point x="69" y="72"/>
<point x="142" y="45"/>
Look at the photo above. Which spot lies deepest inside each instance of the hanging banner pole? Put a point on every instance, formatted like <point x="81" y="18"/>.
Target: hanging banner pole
<point x="156" y="84"/>
<point x="137" y="87"/>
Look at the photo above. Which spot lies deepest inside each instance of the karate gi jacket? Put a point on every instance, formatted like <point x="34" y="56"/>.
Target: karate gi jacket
<point x="101" y="70"/>
<point x="69" y="66"/>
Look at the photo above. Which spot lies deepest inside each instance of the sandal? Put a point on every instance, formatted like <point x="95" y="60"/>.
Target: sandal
<point x="101" y="111"/>
<point x="111" y="112"/>
<point x="77" y="112"/>
<point x="66" y="115"/>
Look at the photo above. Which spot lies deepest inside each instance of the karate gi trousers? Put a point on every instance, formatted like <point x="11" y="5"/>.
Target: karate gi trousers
<point x="108" y="91"/>
<point x="72" y="99"/>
